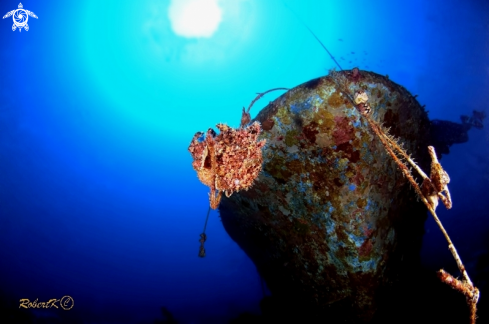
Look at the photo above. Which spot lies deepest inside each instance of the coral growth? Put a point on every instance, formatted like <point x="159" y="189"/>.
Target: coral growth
<point x="361" y="101"/>
<point x="467" y="289"/>
<point x="355" y="74"/>
<point x="227" y="162"/>
<point x="230" y="161"/>
<point x="432" y="188"/>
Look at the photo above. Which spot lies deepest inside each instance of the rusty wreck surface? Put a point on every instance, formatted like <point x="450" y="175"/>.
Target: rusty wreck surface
<point x="331" y="221"/>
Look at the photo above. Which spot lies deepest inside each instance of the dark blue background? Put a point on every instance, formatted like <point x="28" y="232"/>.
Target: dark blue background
<point x="100" y="99"/>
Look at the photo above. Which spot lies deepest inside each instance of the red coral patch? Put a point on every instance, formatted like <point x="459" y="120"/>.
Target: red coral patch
<point x="343" y="132"/>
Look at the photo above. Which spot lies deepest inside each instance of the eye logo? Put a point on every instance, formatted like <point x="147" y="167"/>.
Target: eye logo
<point x="20" y="17"/>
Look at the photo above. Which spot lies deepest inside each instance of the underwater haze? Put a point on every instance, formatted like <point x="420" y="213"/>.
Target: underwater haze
<point x="99" y="101"/>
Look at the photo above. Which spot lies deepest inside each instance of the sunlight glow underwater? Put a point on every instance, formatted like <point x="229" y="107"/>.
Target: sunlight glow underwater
<point x="194" y="18"/>
<point x="148" y="74"/>
<point x="163" y="60"/>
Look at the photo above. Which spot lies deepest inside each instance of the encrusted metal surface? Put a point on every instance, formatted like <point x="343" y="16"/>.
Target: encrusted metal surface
<point x="330" y="216"/>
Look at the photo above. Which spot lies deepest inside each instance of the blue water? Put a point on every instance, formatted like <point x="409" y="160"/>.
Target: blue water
<point x="99" y="101"/>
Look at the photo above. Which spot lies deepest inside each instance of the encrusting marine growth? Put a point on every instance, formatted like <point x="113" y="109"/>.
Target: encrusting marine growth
<point x="227" y="162"/>
<point x="432" y="188"/>
<point x="231" y="160"/>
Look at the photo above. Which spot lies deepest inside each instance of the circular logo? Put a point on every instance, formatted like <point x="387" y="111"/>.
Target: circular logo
<point x="66" y="302"/>
<point x="20" y="17"/>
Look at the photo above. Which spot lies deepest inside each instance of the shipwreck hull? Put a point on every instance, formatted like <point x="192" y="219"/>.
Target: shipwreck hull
<point x="331" y="222"/>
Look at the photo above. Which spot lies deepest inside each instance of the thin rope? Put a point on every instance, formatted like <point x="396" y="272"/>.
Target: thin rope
<point x="203" y="236"/>
<point x="207" y="218"/>
<point x="309" y="29"/>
